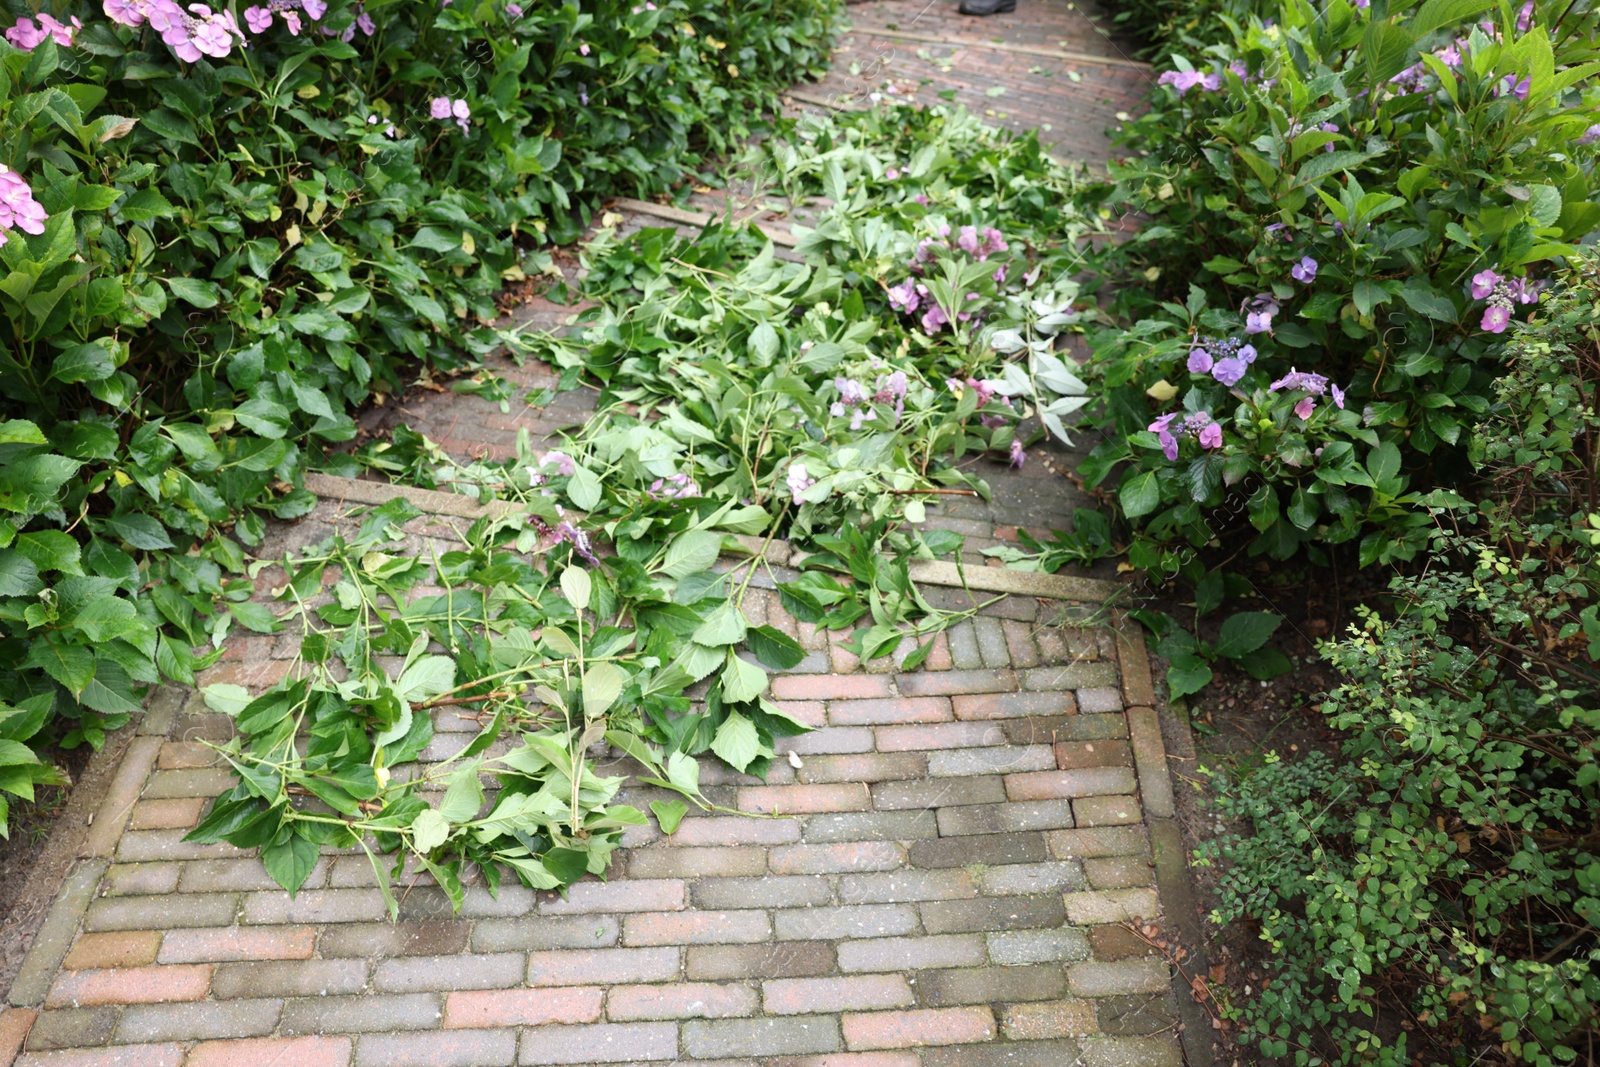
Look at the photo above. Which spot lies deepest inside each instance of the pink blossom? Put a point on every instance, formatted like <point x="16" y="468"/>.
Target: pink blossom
<point x="1306" y="406"/>
<point x="968" y="240"/>
<point x="583" y="49"/>
<point x="799" y="481"/>
<point x="892" y="174"/>
<point x="18" y="209"/>
<point x="563" y="463"/>
<point x="1018" y="456"/>
<point x="1200" y="362"/>
<point x="1483" y="283"/>
<point x="26" y="35"/>
<point x="462" y="113"/>
<point x="315" y="8"/>
<point x="934" y="319"/>
<point x="1211" y="435"/>
<point x="1258" y="322"/>
<point x="258" y="19"/>
<point x="439" y="107"/>
<point x="1496" y="319"/>
<point x="1338" y="396"/>
<point x="203" y="32"/>
<point x="128" y="12"/>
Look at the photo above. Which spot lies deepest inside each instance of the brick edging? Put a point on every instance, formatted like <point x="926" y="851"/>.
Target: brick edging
<point x="1173" y="882"/>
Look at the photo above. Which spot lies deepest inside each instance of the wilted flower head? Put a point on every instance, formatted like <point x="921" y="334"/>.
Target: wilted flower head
<point x="799" y="481"/>
<point x="1018" y="456"/>
<point x="674" y="487"/>
<point x="1316" y="384"/>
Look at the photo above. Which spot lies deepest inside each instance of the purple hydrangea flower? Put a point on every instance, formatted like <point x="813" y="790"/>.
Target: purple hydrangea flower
<point x="799" y="481"/>
<point x="1211" y="435"/>
<point x="1496" y="319"/>
<point x="1258" y="322"/>
<point x="1304" y="271"/>
<point x="1483" y="284"/>
<point x="1590" y="136"/>
<point x="1162" y="429"/>
<point x="903" y="297"/>
<point x="1306" y="406"/>
<point x="1230" y="370"/>
<point x="1338" y="396"/>
<point x="1200" y="362"/>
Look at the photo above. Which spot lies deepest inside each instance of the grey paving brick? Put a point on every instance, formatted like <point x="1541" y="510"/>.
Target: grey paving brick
<point x="1135" y="1016"/>
<point x="860" y="920"/>
<point x="170" y="912"/>
<point x="964" y="652"/>
<point x="899" y="886"/>
<point x="1012" y="948"/>
<point x="1002" y="759"/>
<point x="795" y="959"/>
<point x="871" y="826"/>
<point x="378" y="939"/>
<point x="198" y="1021"/>
<point x="1021" y="879"/>
<point x="900" y="796"/>
<point x="1131" y="1052"/>
<point x="315" y="906"/>
<point x="72" y="1028"/>
<point x="991" y="639"/>
<point x="1005" y="818"/>
<point x="1113" y="978"/>
<point x="1078" y="676"/>
<point x="360" y="1014"/>
<point x="992" y="913"/>
<point x="793" y="1036"/>
<point x="1099" y="700"/>
<point x="600" y="1043"/>
<point x="911" y="953"/>
<point x="413" y="974"/>
<point x="772" y="891"/>
<point x="991" y="850"/>
<point x="446" y="1048"/>
<point x="987" y="985"/>
<point x="288" y="978"/>
<point x="1062" y="1052"/>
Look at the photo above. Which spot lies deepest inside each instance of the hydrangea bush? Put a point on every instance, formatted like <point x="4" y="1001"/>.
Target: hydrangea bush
<point x="1342" y="211"/>
<point x="220" y="231"/>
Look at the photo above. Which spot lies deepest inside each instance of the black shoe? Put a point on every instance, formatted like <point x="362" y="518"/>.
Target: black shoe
<point x="987" y="7"/>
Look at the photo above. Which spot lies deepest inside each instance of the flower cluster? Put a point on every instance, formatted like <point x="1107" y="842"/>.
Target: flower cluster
<point x="18" y="209"/>
<point x="1226" y="359"/>
<point x="363" y="22"/>
<point x="799" y="481"/>
<point x="564" y="466"/>
<point x="1199" y="425"/>
<point x="190" y="34"/>
<point x="443" y="108"/>
<point x="28" y="35"/>
<point x="259" y="18"/>
<point x="674" y="487"/>
<point x="1313" y="385"/>
<point x="986" y="390"/>
<point x="1184" y="80"/>
<point x="1502" y="294"/>
<point x="854" y="398"/>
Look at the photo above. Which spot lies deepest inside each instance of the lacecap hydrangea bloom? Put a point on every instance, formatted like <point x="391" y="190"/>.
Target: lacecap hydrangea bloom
<point x="18" y="209"/>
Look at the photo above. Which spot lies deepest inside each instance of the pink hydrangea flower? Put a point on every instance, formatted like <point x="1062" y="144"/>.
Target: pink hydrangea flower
<point x="1211" y="435"/>
<point x="439" y="107"/>
<point x="1306" y="406"/>
<point x="460" y="110"/>
<point x="257" y="19"/>
<point x="1496" y="319"/>
<point x="198" y="32"/>
<point x="799" y="481"/>
<point x="18" y="209"/>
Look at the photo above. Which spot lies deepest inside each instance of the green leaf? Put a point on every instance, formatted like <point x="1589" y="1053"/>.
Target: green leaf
<point x="427" y="678"/>
<point x="106" y="618"/>
<point x="583" y="488"/>
<point x="464" y="796"/>
<point x="669" y="813"/>
<point x="140" y="531"/>
<point x="691" y="552"/>
<point x="602" y="684"/>
<point x="576" y="587"/>
<point x="724" y="626"/>
<point x="742" y="681"/>
<point x="1187" y="674"/>
<point x="1245" y="632"/>
<point x="737" y="741"/>
<point x="83" y="363"/>
<point x="1140" y="494"/>
<point x="226" y="698"/>
<point x="775" y="648"/>
<point x="291" y="862"/>
<point x="257" y="618"/>
<point x="429" y="831"/>
<point x="71" y="665"/>
<point x="19" y="576"/>
<point x="201" y="294"/>
<point x="50" y="550"/>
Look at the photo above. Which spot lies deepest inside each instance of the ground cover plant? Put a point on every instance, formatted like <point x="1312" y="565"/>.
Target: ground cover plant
<point x="222" y="231"/>
<point x="1434" y="891"/>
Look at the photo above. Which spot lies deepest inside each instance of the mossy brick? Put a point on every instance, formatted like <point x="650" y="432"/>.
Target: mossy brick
<point x="868" y="827"/>
<point x="369" y="1013"/>
<point x="416" y="974"/>
<point x="72" y="1028"/>
<point x="375" y="940"/>
<point x="992" y="913"/>
<point x="803" y="959"/>
<point x="213" y="1020"/>
<point x="288" y="978"/>
<point x="905" y="796"/>
<point x="830" y="923"/>
<point x="1117" y="942"/>
<point x="989" y="985"/>
<point x="1002" y="759"/>
<point x="989" y="850"/>
<point x="789" y="1036"/>
<point x="121" y="948"/>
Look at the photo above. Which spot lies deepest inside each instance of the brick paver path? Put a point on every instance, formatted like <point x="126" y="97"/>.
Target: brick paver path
<point x="961" y="877"/>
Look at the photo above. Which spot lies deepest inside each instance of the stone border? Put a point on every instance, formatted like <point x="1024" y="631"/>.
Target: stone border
<point x="1003" y="46"/>
<point x="1173" y="884"/>
<point x="781" y="238"/>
